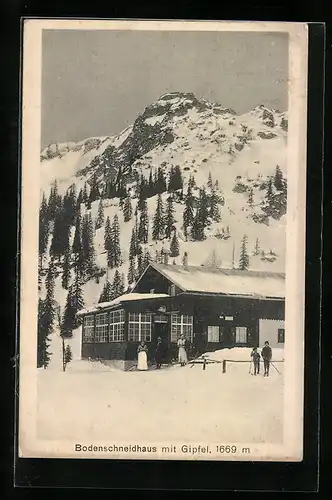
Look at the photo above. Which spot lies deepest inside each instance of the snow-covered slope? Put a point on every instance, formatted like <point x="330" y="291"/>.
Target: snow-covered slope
<point x="202" y="138"/>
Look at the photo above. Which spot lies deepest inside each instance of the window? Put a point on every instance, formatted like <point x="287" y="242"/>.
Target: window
<point x="101" y="327"/>
<point x="88" y="328"/>
<point x="281" y="335"/>
<point x="139" y="327"/>
<point x="213" y="333"/>
<point x="181" y="325"/>
<point x="241" y="335"/>
<point x="116" y="326"/>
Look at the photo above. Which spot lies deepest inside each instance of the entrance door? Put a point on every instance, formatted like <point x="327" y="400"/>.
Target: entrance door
<point x="161" y="330"/>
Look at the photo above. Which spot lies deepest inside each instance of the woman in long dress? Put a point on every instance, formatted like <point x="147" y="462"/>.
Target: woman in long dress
<point x="142" y="361"/>
<point x="182" y="351"/>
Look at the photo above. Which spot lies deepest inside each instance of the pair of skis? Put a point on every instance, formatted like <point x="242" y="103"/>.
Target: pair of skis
<point x="251" y="363"/>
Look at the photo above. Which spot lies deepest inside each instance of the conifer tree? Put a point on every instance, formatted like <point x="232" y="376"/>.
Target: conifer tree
<point x="214" y="206"/>
<point x="133" y="244"/>
<point x="85" y="193"/>
<point x="251" y="198"/>
<point x="44" y="229"/>
<point x="158" y="220"/>
<point x="257" y="249"/>
<point x="175" y="247"/>
<point x="278" y="179"/>
<point x="209" y="182"/>
<point x="115" y="232"/>
<point x="127" y="209"/>
<point x="53" y="200"/>
<point x="142" y="193"/>
<point x="77" y="249"/>
<point x="117" y="285"/>
<point x="169" y="218"/>
<point x="68" y="355"/>
<point x="131" y="271"/>
<point x="151" y="183"/>
<point x="216" y="185"/>
<point x="74" y="303"/>
<point x="161" y="185"/>
<point x="94" y="190"/>
<point x="108" y="243"/>
<point x="201" y="218"/>
<point x="66" y="270"/>
<point x="106" y="294"/>
<point x="43" y="341"/>
<point x="188" y="213"/>
<point x="100" y="216"/>
<point x="143" y="228"/>
<point x="175" y="180"/>
<point x="244" y="256"/>
<point x="88" y="244"/>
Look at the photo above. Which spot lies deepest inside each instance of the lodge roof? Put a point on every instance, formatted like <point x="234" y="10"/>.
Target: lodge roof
<point x="201" y="279"/>
<point x="127" y="297"/>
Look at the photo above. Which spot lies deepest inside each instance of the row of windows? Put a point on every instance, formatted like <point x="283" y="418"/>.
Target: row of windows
<point x="215" y="334"/>
<point x="110" y="327"/>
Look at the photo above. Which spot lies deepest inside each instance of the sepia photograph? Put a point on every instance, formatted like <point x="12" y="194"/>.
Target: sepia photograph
<point x="162" y="240"/>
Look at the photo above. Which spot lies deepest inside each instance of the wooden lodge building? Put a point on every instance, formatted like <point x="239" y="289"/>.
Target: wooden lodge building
<point x="213" y="308"/>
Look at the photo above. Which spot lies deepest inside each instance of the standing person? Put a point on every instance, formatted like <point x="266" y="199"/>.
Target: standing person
<point x="256" y="360"/>
<point x="142" y="358"/>
<point x="159" y="353"/>
<point x="182" y="351"/>
<point x="267" y="356"/>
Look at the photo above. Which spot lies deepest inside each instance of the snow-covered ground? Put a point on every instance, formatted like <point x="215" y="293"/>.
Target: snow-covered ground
<point x="173" y="404"/>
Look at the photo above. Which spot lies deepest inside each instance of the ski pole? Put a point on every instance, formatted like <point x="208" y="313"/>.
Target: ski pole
<point x="276" y="368"/>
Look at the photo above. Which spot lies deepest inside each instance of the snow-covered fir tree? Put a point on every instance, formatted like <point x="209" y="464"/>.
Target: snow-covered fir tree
<point x="115" y="233"/>
<point x="201" y="218"/>
<point x="88" y="245"/>
<point x="188" y="213"/>
<point x="127" y="209"/>
<point x="44" y="230"/>
<point x="100" y="215"/>
<point x="210" y="182"/>
<point x="244" y="261"/>
<point x="175" y="180"/>
<point x="251" y="198"/>
<point x="74" y="303"/>
<point x="66" y="269"/>
<point x="143" y="228"/>
<point x="169" y="217"/>
<point x="106" y="293"/>
<point x="257" y="249"/>
<point x="174" y="246"/>
<point x="77" y="248"/>
<point x="46" y="316"/>
<point x="158" y="221"/>
<point x="214" y="206"/>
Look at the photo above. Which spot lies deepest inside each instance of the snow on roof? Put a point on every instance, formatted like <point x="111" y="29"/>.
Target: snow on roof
<point x="224" y="281"/>
<point x="122" y="298"/>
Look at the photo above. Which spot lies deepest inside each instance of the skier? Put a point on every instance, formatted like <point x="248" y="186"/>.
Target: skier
<point x="256" y="360"/>
<point x="267" y="356"/>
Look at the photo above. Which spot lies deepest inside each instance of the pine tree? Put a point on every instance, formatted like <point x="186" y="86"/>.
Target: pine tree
<point x="46" y="316"/>
<point x="68" y="355"/>
<point x="244" y="256"/>
<point x="131" y="271"/>
<point x="257" y="249"/>
<point x="77" y="249"/>
<point x="142" y="193"/>
<point x="66" y="270"/>
<point x="175" y="180"/>
<point x="158" y="220"/>
<point x="43" y="341"/>
<point x="100" y="216"/>
<point x="85" y="196"/>
<point x="175" y="247"/>
<point x="278" y="179"/>
<point x="151" y="183"/>
<point x="209" y="182"/>
<point x="169" y="218"/>
<point x="251" y="198"/>
<point x="214" y="206"/>
<point x="133" y="244"/>
<point x="127" y="209"/>
<point x="188" y="213"/>
<point x="160" y="182"/>
<point x="88" y="245"/>
<point x="94" y="191"/>
<point x="143" y="228"/>
<point x="216" y="185"/>
<point x="74" y="302"/>
<point x="108" y="243"/>
<point x="106" y="294"/>
<point x="44" y="229"/>
<point x="115" y="233"/>
<point x="53" y="201"/>
<point x="201" y="217"/>
<point x="117" y="285"/>
<point x="122" y="285"/>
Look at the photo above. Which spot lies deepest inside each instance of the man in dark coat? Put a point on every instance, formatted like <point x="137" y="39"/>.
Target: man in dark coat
<point x="267" y="356"/>
<point x="159" y="353"/>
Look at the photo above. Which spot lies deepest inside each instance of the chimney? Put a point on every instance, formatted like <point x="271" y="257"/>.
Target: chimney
<point x="185" y="261"/>
<point x="165" y="252"/>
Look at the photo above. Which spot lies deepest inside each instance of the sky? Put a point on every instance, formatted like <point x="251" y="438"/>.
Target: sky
<point x="95" y="83"/>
